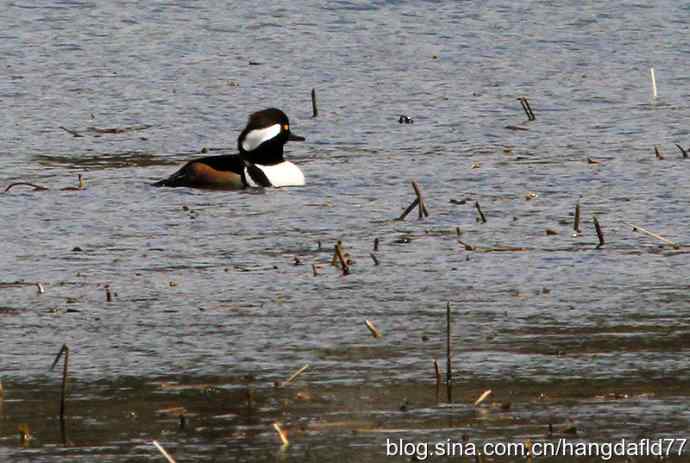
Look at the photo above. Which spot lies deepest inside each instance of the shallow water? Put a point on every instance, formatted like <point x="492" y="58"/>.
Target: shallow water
<point x="205" y="286"/>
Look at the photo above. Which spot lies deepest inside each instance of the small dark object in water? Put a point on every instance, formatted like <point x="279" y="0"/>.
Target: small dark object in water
<point x="683" y="151"/>
<point x="405" y="120"/>
<point x="77" y="249"/>
<point x="657" y="152"/>
<point x="527" y="108"/>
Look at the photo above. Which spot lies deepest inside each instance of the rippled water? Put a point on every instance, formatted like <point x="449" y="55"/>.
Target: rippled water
<point x="206" y="290"/>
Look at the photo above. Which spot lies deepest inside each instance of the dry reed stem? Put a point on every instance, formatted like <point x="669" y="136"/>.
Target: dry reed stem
<point x="372" y="329"/>
<point x="162" y="450"/>
<point x="654" y="235"/>
<point x="483" y="397"/>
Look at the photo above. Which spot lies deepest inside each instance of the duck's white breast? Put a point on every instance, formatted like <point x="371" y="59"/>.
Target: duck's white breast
<point x="283" y="174"/>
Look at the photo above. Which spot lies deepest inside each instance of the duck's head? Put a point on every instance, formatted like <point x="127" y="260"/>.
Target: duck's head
<point x="261" y="142"/>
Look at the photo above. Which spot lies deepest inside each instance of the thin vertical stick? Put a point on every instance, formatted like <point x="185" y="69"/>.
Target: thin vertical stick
<point x="376" y="244"/>
<point x="437" y="371"/>
<point x="651" y="72"/>
<point x="165" y="454"/>
<point x="314" y="109"/>
<point x="576" y="223"/>
<point x="482" y="217"/>
<point x="64" y="350"/>
<point x="600" y="234"/>
<point x="449" y="370"/>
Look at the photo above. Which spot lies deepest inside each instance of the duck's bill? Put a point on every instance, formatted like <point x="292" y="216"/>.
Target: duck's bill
<point x="293" y="137"/>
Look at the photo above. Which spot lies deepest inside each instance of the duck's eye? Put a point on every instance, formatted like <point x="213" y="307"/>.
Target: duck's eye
<point x="286" y="127"/>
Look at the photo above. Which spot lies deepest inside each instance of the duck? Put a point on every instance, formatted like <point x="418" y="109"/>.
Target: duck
<point x="260" y="162"/>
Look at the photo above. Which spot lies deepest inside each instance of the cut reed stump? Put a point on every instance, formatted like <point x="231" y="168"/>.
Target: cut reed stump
<point x="600" y="233"/>
<point x="576" y="222"/>
<point x="314" y="109"/>
<point x="449" y="369"/>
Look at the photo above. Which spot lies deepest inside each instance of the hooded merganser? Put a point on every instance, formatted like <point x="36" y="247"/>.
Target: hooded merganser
<point x="259" y="164"/>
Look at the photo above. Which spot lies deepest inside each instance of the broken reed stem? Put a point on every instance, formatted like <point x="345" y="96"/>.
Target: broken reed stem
<point x="482" y="217"/>
<point x="423" y="211"/>
<point x="294" y="375"/>
<point x="600" y="234"/>
<point x="373" y="257"/>
<point x="162" y="450"/>
<point x="409" y="209"/>
<point x="651" y="73"/>
<point x="576" y="223"/>
<point x="63" y="350"/>
<point x="376" y="244"/>
<point x="654" y="235"/>
<point x="437" y="372"/>
<point x="341" y="258"/>
<point x="682" y="151"/>
<point x="314" y="109"/>
<point x="449" y="370"/>
<point x="108" y="294"/>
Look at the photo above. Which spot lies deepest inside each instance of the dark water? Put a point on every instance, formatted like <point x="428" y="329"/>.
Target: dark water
<point x="206" y="294"/>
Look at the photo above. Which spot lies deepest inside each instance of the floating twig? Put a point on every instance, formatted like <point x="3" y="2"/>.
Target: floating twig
<point x="449" y="369"/>
<point x="314" y="109"/>
<point x="116" y="130"/>
<point x="576" y="222"/>
<point x="282" y="434"/>
<point x="64" y="350"/>
<point x="374" y="258"/>
<point x="32" y="185"/>
<point x="74" y="133"/>
<point x="482" y="397"/>
<point x="657" y="152"/>
<point x="683" y="151"/>
<point x="600" y="234"/>
<point x="372" y="329"/>
<point x="516" y="127"/>
<point x="468" y="247"/>
<point x="423" y="211"/>
<point x="654" y="235"/>
<point x="294" y="376"/>
<point x="162" y="450"/>
<point x="651" y="73"/>
<point x="482" y="217"/>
